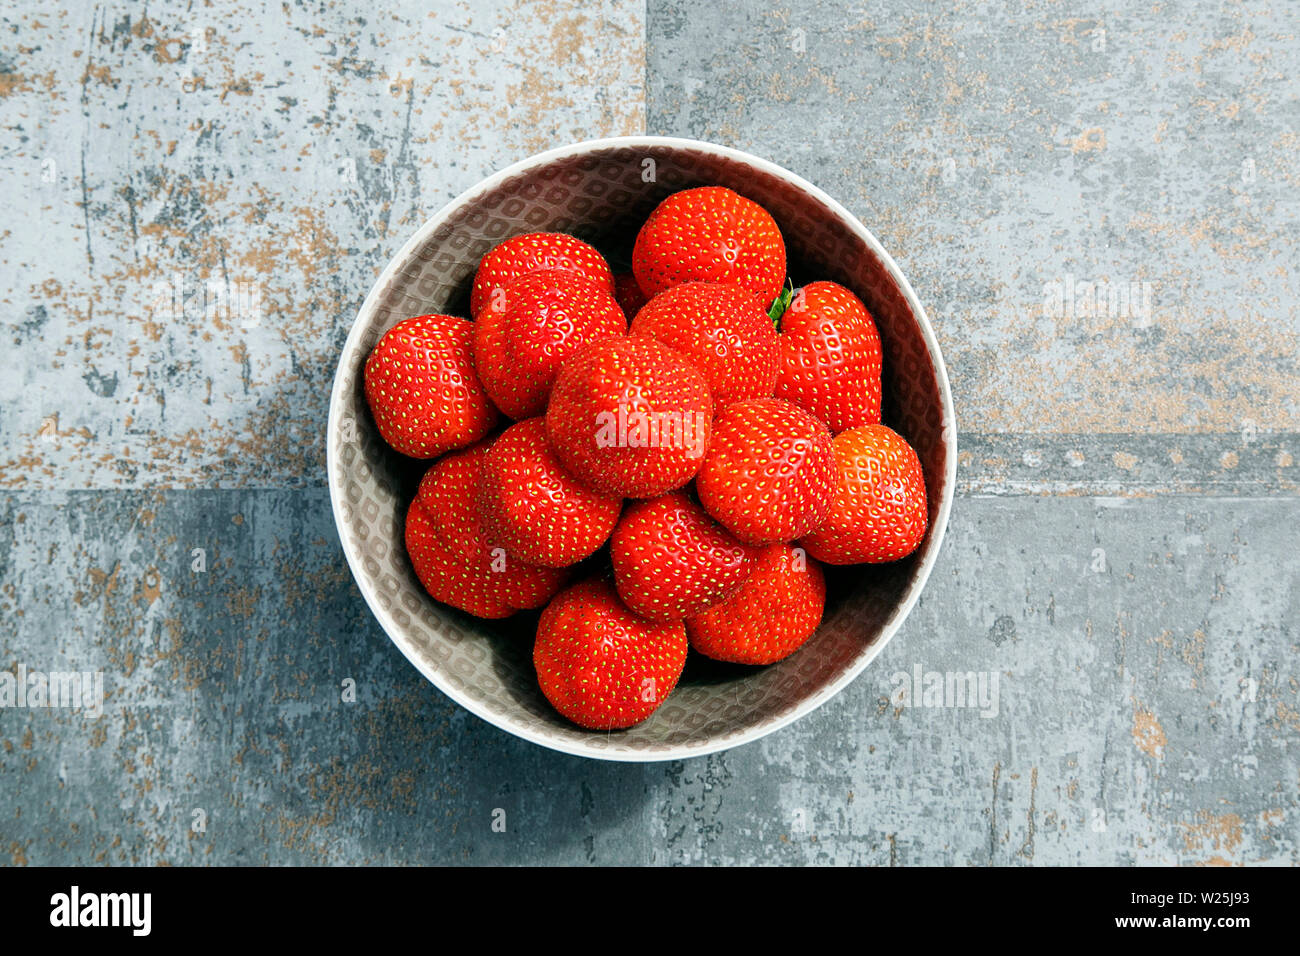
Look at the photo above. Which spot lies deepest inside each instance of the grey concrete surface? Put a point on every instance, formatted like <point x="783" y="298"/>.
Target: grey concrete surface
<point x="1121" y="558"/>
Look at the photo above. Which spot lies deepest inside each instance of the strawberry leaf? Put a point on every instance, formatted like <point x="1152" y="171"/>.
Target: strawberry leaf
<point x="780" y="304"/>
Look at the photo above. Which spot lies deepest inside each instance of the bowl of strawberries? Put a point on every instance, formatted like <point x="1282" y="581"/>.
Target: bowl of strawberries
<point x="641" y="449"/>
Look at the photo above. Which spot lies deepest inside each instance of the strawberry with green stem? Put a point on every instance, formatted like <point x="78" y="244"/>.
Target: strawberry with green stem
<point x="830" y="355"/>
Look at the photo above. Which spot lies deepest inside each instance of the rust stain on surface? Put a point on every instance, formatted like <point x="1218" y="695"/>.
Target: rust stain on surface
<point x="1148" y="735"/>
<point x="1221" y="832"/>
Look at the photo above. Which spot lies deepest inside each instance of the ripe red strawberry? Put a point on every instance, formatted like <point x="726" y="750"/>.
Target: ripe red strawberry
<point x="534" y="252"/>
<point x="830" y="357"/>
<point x="721" y="329"/>
<point x="447" y="495"/>
<point x="522" y="335"/>
<point x="710" y="234"/>
<point x="600" y="665"/>
<point x="770" y="617"/>
<point x="629" y="417"/>
<point x="445" y="543"/>
<point x="535" y="509"/>
<point x="672" y="560"/>
<point x="770" y="473"/>
<point x="879" y="512"/>
<point x="422" y="389"/>
<point x="628" y="293"/>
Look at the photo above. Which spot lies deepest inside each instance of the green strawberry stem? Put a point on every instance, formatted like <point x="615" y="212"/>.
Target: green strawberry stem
<point x="780" y="304"/>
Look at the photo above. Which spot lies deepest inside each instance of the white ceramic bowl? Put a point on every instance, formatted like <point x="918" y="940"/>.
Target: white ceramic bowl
<point x="602" y="191"/>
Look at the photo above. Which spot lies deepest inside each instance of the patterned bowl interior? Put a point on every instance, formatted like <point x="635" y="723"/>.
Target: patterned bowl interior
<point x="602" y="192"/>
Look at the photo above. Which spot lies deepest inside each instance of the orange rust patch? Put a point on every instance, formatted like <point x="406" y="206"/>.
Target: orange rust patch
<point x="1148" y="735"/>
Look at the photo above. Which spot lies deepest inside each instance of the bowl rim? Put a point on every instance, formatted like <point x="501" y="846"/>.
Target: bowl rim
<point x="680" y="751"/>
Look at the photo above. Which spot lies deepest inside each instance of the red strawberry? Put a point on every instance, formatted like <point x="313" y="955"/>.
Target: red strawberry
<point x="710" y="234"/>
<point x="879" y="512"/>
<point x="830" y="357"/>
<point x="535" y="509"/>
<point x="447" y="494"/>
<point x="770" y="617"/>
<point x="422" y="389"/>
<point x="720" y="329"/>
<point x="599" y="664"/>
<point x="671" y="559"/>
<point x="451" y="559"/>
<point x="534" y="252"/>
<point x="770" y="472"/>
<point x="629" y="417"/>
<point x="628" y="293"/>
<point x="522" y="336"/>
